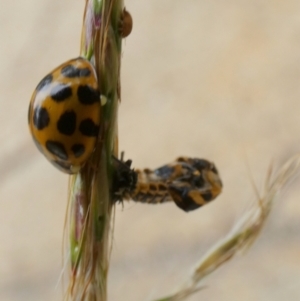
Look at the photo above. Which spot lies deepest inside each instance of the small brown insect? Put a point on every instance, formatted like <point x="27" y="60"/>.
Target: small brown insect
<point x="126" y="24"/>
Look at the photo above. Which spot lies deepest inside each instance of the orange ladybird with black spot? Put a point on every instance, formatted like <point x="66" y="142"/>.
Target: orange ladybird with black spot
<point x="64" y="114"/>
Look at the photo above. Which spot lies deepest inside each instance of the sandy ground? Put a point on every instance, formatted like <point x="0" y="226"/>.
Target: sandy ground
<point x="212" y="79"/>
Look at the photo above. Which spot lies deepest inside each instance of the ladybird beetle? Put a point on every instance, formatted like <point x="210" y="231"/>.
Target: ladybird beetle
<point x="64" y="114"/>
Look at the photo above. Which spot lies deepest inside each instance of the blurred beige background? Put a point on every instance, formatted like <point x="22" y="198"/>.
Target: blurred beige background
<point x="212" y="79"/>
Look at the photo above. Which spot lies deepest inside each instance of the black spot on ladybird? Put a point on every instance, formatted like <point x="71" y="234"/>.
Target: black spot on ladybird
<point x="61" y="92"/>
<point x="187" y="204"/>
<point x="78" y="150"/>
<point x="181" y="198"/>
<point x="41" y="118"/>
<point x="56" y="148"/>
<point x="44" y="82"/>
<point x="207" y="196"/>
<point x="66" y="123"/>
<point x="70" y="71"/>
<point x="62" y="165"/>
<point x="87" y="95"/>
<point x="89" y="128"/>
<point x="84" y="72"/>
<point x="201" y="164"/>
<point x="198" y="182"/>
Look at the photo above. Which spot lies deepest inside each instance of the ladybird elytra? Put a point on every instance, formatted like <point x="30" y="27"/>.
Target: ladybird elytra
<point x="64" y="114"/>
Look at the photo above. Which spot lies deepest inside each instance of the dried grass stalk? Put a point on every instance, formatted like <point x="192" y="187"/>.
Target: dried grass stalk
<point x="244" y="233"/>
<point x="90" y="205"/>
